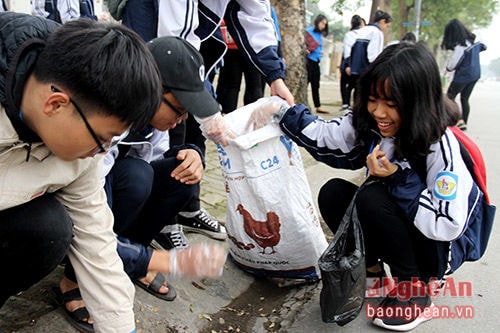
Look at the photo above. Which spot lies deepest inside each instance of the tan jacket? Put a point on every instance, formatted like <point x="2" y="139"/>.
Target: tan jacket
<point x="106" y="289"/>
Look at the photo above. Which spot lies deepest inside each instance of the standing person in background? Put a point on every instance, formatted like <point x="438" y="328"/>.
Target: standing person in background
<point x="3" y="6"/>
<point x="464" y="61"/>
<point x="314" y="50"/>
<point x="346" y="82"/>
<point x="368" y="45"/>
<point x="234" y="66"/>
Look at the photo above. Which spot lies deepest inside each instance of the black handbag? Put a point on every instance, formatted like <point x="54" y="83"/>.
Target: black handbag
<point x="343" y="272"/>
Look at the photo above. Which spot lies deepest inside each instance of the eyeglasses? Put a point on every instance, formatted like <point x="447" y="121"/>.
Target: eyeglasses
<point x="103" y="146"/>
<point x="176" y="110"/>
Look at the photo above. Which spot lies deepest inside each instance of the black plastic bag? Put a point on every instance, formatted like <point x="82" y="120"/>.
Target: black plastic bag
<point x="343" y="272"/>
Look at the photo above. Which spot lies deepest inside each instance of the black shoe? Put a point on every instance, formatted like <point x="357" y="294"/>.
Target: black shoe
<point x="171" y="237"/>
<point x="403" y="315"/>
<point x="204" y="223"/>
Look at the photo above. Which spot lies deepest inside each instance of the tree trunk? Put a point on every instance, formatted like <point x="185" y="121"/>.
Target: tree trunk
<point x="291" y="17"/>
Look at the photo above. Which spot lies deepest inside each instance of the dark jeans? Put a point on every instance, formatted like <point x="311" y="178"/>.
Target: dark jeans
<point x="313" y="76"/>
<point x="144" y="197"/>
<point x="388" y="234"/>
<point x="347" y="85"/>
<point x="229" y="82"/>
<point x="34" y="239"/>
<point x="465" y="90"/>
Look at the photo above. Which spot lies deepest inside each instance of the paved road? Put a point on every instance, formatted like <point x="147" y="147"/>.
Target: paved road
<point x="239" y="301"/>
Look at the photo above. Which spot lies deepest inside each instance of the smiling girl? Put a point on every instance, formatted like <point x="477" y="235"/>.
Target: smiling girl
<point x="419" y="202"/>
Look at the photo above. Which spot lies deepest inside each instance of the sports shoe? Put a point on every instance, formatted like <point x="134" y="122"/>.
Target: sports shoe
<point x="202" y="222"/>
<point x="170" y="237"/>
<point x="401" y="315"/>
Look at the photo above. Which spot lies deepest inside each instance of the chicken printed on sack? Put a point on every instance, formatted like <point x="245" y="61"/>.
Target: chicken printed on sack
<point x="264" y="233"/>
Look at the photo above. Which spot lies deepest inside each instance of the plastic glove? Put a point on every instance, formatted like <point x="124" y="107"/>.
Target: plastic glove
<point x="265" y="113"/>
<point x="216" y="129"/>
<point x="199" y="260"/>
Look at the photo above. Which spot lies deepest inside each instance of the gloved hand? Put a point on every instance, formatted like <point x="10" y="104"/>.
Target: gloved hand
<point x="199" y="260"/>
<point x="216" y="129"/>
<point x="264" y="113"/>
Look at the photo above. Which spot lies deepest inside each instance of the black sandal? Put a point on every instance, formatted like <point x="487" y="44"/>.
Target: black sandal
<point x="155" y="285"/>
<point x="78" y="317"/>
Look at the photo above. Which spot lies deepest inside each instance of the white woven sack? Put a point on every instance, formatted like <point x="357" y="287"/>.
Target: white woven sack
<point x="272" y="224"/>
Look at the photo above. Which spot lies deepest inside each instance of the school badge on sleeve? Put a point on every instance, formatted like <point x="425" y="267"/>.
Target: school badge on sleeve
<point x="445" y="187"/>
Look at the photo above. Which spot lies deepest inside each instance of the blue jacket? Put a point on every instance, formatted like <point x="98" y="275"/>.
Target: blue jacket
<point x="318" y="52"/>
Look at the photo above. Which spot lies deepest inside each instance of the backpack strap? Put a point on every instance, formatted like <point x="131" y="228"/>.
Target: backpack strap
<point x="473" y="159"/>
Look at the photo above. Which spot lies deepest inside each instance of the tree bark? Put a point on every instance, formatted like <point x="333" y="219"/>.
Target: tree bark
<point x="291" y="18"/>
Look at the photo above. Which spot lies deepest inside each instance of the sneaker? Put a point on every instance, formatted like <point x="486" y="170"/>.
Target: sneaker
<point x="202" y="222"/>
<point x="378" y="284"/>
<point x="401" y="315"/>
<point x="344" y="107"/>
<point x="171" y="237"/>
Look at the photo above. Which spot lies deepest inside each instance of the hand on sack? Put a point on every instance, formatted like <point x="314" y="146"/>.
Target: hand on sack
<point x="216" y="129"/>
<point x="199" y="260"/>
<point x="263" y="114"/>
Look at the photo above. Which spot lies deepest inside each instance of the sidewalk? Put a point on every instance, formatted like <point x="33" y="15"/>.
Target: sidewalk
<point x="239" y="302"/>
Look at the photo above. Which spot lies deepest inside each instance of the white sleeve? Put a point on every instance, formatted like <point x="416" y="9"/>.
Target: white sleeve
<point x="455" y="57"/>
<point x="38" y="8"/>
<point x="375" y="46"/>
<point x="179" y="18"/>
<point x="69" y="10"/>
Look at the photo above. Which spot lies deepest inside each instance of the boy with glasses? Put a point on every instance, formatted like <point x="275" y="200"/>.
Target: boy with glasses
<point x="63" y="100"/>
<point x="51" y="199"/>
<point x="148" y="182"/>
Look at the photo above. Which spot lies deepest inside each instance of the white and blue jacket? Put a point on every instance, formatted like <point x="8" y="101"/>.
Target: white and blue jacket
<point x="440" y="208"/>
<point x="249" y="23"/>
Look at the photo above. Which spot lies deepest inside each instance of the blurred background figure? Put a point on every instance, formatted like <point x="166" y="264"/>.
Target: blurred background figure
<point x="346" y="83"/>
<point x="463" y="62"/>
<point x="314" y="45"/>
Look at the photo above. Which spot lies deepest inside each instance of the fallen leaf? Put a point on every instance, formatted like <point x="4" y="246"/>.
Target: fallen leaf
<point x="204" y="316"/>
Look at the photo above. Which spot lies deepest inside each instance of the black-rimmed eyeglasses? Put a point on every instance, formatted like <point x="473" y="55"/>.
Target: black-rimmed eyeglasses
<point x="103" y="146"/>
<point x="176" y="110"/>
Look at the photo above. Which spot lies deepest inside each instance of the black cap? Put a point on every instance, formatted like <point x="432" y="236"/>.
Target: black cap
<point x="183" y="72"/>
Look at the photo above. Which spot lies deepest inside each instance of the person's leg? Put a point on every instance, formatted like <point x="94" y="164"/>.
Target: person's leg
<point x="387" y="233"/>
<point x="128" y="185"/>
<point x="344" y="91"/>
<point x="34" y="239"/>
<point x="253" y="82"/>
<point x="464" y="100"/>
<point x="333" y="199"/>
<point x="229" y="82"/>
<point x="453" y="90"/>
<point x="168" y="197"/>
<point x="313" y="74"/>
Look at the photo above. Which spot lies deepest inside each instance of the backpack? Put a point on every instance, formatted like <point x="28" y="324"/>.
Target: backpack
<point x="359" y="56"/>
<point x="472" y="243"/>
